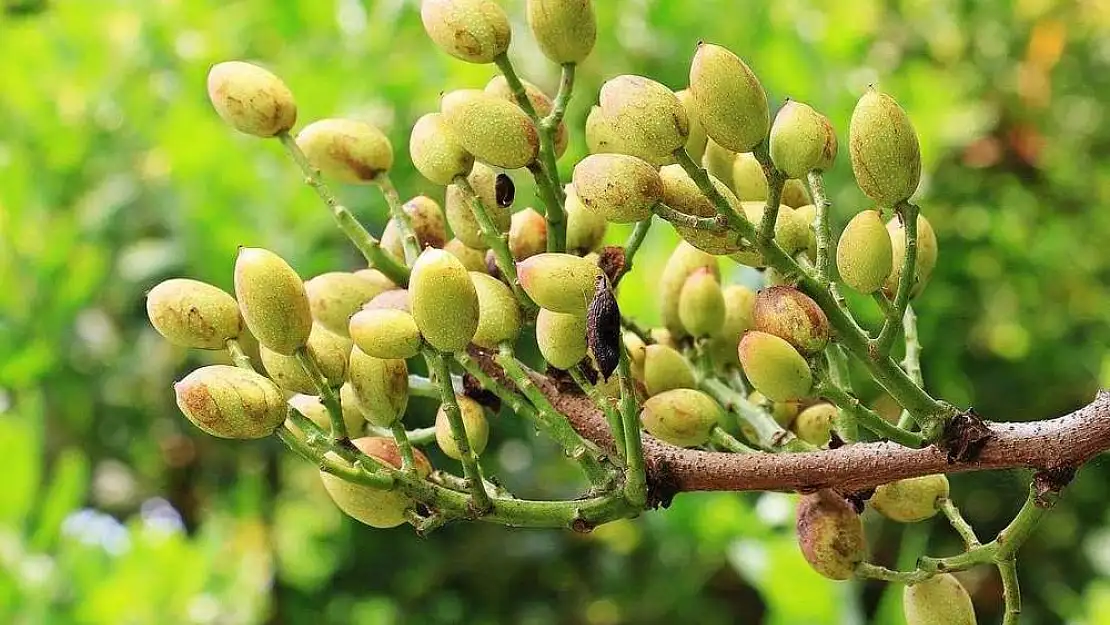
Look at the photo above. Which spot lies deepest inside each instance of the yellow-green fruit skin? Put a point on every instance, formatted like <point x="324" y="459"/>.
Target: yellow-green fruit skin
<point x="939" y="600"/>
<point x="435" y="153"/>
<point x="646" y="115"/>
<point x="774" y="367"/>
<point x="864" y="256"/>
<point x="460" y="215"/>
<point x="190" y="313"/>
<point x="230" y="402"/>
<point x="701" y="304"/>
<point x="251" y="99"/>
<point x="381" y="386"/>
<point x="474" y="424"/>
<point x="385" y="333"/>
<point x="792" y="316"/>
<point x="748" y="179"/>
<point x="376" y="278"/>
<point x="886" y="158"/>
<point x="427" y="223"/>
<point x="622" y="188"/>
<point x="498" y="314"/>
<point x="814" y="424"/>
<point x="376" y="508"/>
<point x="739" y="304"/>
<point x="830" y="534"/>
<point x="472" y="259"/>
<point x="731" y="101"/>
<point x="476" y="31"/>
<point x="800" y="140"/>
<point x="681" y="193"/>
<point x="397" y="299"/>
<point x="910" y="500"/>
<point x="697" y="140"/>
<point x="330" y="351"/>
<point x="682" y="417"/>
<point x="585" y="228"/>
<point x="444" y="302"/>
<point x="562" y="283"/>
<point x="684" y="260"/>
<point x="794" y="193"/>
<point x="541" y="102"/>
<point x="566" y="30"/>
<point x="311" y="407"/>
<point x="791" y="232"/>
<point x="719" y="162"/>
<point x="495" y="131"/>
<point x="353" y="413"/>
<point x="807" y="214"/>
<point x="272" y="300"/>
<point x="637" y="352"/>
<point x="665" y="369"/>
<point x="334" y="296"/>
<point x="527" y="234"/>
<point x="561" y="338"/>
<point x="926" y="254"/>
<point x="347" y="150"/>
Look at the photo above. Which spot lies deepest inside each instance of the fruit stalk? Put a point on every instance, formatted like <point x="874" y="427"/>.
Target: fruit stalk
<point x="911" y="363"/>
<point x="437" y="366"/>
<point x="775" y="181"/>
<point x="417" y="437"/>
<point x="635" y="240"/>
<point x="718" y="223"/>
<point x="612" y="416"/>
<point x="635" y="473"/>
<point x="327" y="396"/>
<point x="846" y="426"/>
<point x="549" y="124"/>
<point x="1011" y="591"/>
<point x="409" y="241"/>
<point x="821" y="223"/>
<point x="908" y="214"/>
<point x="496" y="240"/>
<point x="404" y="445"/>
<point x="769" y="434"/>
<point x="866" y="417"/>
<point x="238" y="356"/>
<point x="728" y="442"/>
<point x="958" y="523"/>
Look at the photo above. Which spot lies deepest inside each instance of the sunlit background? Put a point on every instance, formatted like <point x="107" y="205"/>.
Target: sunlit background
<point x="115" y="173"/>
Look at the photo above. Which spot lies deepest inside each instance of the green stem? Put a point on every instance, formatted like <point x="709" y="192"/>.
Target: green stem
<point x="847" y="427"/>
<point x="958" y="523"/>
<point x="401" y="437"/>
<point x="868" y="418"/>
<point x="612" y="415"/>
<point x="562" y="99"/>
<point x="327" y="394"/>
<point x="906" y="280"/>
<point x="718" y="223"/>
<point x="365" y="242"/>
<point x="1011" y="591"/>
<point x="409" y="240"/>
<point x="728" y="442"/>
<point x="775" y="181"/>
<point x="417" y="437"/>
<point x="822" y="231"/>
<point x="553" y="210"/>
<point x="632" y="246"/>
<point x="238" y="356"/>
<point x="635" y="473"/>
<point x="437" y="366"/>
<point x="768" y="433"/>
<point x="911" y="363"/>
<point x="497" y="241"/>
<point x="420" y="386"/>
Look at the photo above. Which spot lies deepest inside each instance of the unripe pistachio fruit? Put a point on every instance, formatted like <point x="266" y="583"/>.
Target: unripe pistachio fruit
<point x="739" y="304"/>
<point x="330" y="351"/>
<point x="498" y="313"/>
<point x="541" y="103"/>
<point x="939" y="600"/>
<point x="472" y="259"/>
<point x="354" y="416"/>
<point x="701" y="304"/>
<point x="926" y="254"/>
<point x="604" y="136"/>
<point x="646" y="115"/>
<point x="397" y="299"/>
<point x="527" y="234"/>
<point x="748" y="179"/>
<point x="272" y="300"/>
<point x="435" y="152"/>
<point x="637" y="352"/>
<point x="559" y="282"/>
<point x="864" y="256"/>
<point x="190" y="313"/>
<point x="784" y="412"/>
<point x="682" y="417"/>
<point x="719" y="162"/>
<point x="774" y="367"/>
<point x="681" y="193"/>
<point x="380" y="385"/>
<point x="474" y="424"/>
<point x="802" y="140"/>
<point x="683" y="261"/>
<point x="334" y="296"/>
<point x="427" y="222"/>
<point x="347" y="150"/>
<point x="794" y="193"/>
<point x="561" y="338"/>
<point x="830" y="534"/>
<point x="375" y="277"/>
<point x="476" y="31"/>
<point x="251" y="99"/>
<point x="565" y="29"/>
<point x="792" y="316"/>
<point x="910" y="500"/>
<point x="807" y="214"/>
<point x="622" y="188"/>
<point x="731" y="101"/>
<point x="791" y="232"/>
<point x="460" y="215"/>
<point x="697" y="140"/>
<point x="886" y="158"/>
<point x="495" y="131"/>
<point x="311" y="407"/>
<point x="444" y="302"/>
<point x="666" y="369"/>
<point x="385" y="333"/>
<point x="230" y="402"/>
<point x="376" y="508"/>
<point x="585" y="228"/>
<point x="814" y="424"/>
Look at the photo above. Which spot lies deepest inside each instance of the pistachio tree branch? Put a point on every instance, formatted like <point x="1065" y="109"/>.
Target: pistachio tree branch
<point x="437" y="367"/>
<point x="553" y="209"/>
<point x="908" y="214"/>
<point x="1011" y="591"/>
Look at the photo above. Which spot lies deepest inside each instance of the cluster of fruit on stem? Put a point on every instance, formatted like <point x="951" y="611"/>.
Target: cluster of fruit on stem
<point x="729" y="368"/>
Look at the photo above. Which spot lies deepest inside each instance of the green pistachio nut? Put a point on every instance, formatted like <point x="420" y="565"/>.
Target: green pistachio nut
<point x="386" y="333"/>
<point x="498" y="313"/>
<point x="311" y="407"/>
<point x="807" y="214"/>
<point x="495" y="131"/>
<point x="251" y="99"/>
<point x="435" y="152"/>
<point x="427" y="222"/>
<point x="926" y="255"/>
<point x="374" y="507"/>
<point x="774" y="367"/>
<point x="603" y="136"/>
<point x="585" y="228"/>
<point x="882" y="143"/>
<point x="731" y="100"/>
<point x="541" y="103"/>
<point x="474" y="424"/>
<point x="347" y="150"/>
<point x="648" y="117"/>
<point x="472" y="259"/>
<point x="830" y="534"/>
<point x="230" y="402"/>
<point x="814" y="425"/>
<point x="784" y="412"/>
<point x="739" y="305"/>
<point x="334" y="296"/>
<point x="910" y="500"/>
<point x="791" y="232"/>
<point x="800" y="140"/>
<point x="663" y="336"/>
<point x="682" y="417"/>
<point x="748" y="179"/>
<point x="561" y="338"/>
<point x="527" y="234"/>
<point x="272" y="300"/>
<point x="562" y="283"/>
<point x="794" y="193"/>
<point x="380" y="385"/>
<point x="444" y="302"/>
<point x="719" y="162"/>
<point x="684" y="260"/>
<point x="622" y="188"/>
<point x="939" y="600"/>
<point x="190" y="313"/>
<point x="353" y="414"/>
<point x="701" y="304"/>
<point x="793" y="316"/>
<point x="697" y="140"/>
<point x="681" y="193"/>
<point x="864" y="255"/>
<point x="460" y="214"/>
<point x="397" y="299"/>
<point x="637" y="352"/>
<point x="475" y="31"/>
<point x="565" y="29"/>
<point x="666" y="369"/>
<point x="330" y="351"/>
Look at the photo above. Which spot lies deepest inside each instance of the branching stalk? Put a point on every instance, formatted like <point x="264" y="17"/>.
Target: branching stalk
<point x="612" y="415"/>
<point x="908" y="214"/>
<point x="868" y="418"/>
<point x="635" y="473"/>
<point x="327" y="394"/>
<point x="437" y="366"/>
<point x="409" y="240"/>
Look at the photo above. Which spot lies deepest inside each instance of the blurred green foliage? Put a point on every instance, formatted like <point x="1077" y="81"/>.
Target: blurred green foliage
<point x="115" y="174"/>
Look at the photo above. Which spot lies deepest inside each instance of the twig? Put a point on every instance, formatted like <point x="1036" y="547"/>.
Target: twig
<point x="956" y="520"/>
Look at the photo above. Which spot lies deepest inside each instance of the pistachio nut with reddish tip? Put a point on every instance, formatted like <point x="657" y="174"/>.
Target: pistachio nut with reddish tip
<point x="683" y="261"/>
<point x="435" y="153"/>
<point x="648" y="117"/>
<point x="802" y="140"/>
<point x="622" y="188"/>
<point x="498" y="313"/>
<point x="939" y="600"/>
<point x="444" y="302"/>
<point x="230" y="402"/>
<point x="701" y="304"/>
<point x="495" y="131"/>
<point x="886" y="158"/>
<point x="251" y="99"/>
<point x="774" y="367"/>
<point x="190" y="313"/>
<point x="272" y="300"/>
<point x="561" y="283"/>
<point x="372" y="506"/>
<point x="926" y="259"/>
<point x="334" y="296"/>
<point x="814" y="425"/>
<point x="864" y="255"/>
<point x="682" y="417"/>
<point x="380" y="385"/>
<point x="561" y="338"/>
<point x="474" y="424"/>
<point x="585" y="228"/>
<point x="541" y="103"/>
<point x="830" y="534"/>
<point x="330" y="351"/>
<point x="460" y="214"/>
<point x="565" y="29"/>
<point x="793" y="316"/>
<point x="731" y="100"/>
<point x="475" y="31"/>
<point x="527" y="234"/>
<point x="386" y="333"/>
<point x="666" y="369"/>
<point x="910" y="500"/>
<point x="347" y="150"/>
<point x="681" y="193"/>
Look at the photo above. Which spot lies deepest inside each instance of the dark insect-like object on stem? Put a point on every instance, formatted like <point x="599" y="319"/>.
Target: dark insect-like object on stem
<point x="505" y="190"/>
<point x="603" y="328"/>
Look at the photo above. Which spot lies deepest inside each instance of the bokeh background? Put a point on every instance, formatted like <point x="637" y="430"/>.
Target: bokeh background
<point x="115" y="173"/>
